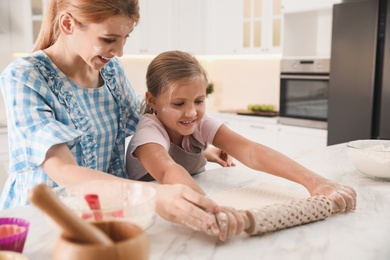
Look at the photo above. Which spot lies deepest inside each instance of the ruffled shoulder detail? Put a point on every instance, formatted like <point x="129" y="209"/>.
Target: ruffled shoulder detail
<point x="65" y="96"/>
<point x="109" y="73"/>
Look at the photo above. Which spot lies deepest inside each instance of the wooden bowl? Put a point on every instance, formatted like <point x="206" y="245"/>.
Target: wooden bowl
<point x="130" y="243"/>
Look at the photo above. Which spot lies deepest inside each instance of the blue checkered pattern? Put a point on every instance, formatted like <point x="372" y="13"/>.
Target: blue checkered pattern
<point x="45" y="108"/>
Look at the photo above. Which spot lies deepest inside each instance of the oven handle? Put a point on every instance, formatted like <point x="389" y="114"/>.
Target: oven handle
<point x="304" y="77"/>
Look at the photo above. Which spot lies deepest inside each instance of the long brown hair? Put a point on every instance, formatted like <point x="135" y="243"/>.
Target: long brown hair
<point x="83" y="11"/>
<point x="167" y="68"/>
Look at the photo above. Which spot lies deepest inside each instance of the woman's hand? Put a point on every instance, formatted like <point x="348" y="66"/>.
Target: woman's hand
<point x="180" y="204"/>
<point x="214" y="154"/>
<point x="231" y="222"/>
<point x="343" y="195"/>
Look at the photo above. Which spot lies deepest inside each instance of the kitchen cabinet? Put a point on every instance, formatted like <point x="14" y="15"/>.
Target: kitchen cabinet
<point x="244" y="26"/>
<point x="231" y="121"/>
<point x="154" y="32"/>
<point x="262" y="26"/>
<point x="286" y="139"/>
<point x="258" y="129"/>
<point x="25" y="22"/>
<point x="199" y="27"/>
<point x="5" y="42"/>
<point x="224" y="27"/>
<point x="167" y="25"/>
<point x="294" y="139"/>
<point x="260" y="132"/>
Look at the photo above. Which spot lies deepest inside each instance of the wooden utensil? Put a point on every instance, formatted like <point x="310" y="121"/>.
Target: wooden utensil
<point x="45" y="199"/>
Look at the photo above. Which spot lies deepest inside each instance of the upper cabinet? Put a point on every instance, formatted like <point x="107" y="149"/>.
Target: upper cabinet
<point x="196" y="26"/>
<point x="262" y="26"/>
<point x="224" y="27"/>
<point x="154" y="32"/>
<point x="6" y="45"/>
<point x="244" y="26"/>
<point x="167" y="25"/>
<point x="25" y="22"/>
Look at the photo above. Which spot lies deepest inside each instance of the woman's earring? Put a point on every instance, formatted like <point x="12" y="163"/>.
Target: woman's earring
<point x="154" y="111"/>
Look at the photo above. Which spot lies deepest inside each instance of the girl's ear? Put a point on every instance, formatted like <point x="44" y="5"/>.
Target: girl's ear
<point x="67" y="23"/>
<point x="150" y="99"/>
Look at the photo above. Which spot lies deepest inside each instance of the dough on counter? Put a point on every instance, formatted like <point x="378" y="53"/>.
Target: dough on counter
<point x="255" y="196"/>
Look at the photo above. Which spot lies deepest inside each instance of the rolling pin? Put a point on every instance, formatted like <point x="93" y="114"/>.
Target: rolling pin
<point x="284" y="215"/>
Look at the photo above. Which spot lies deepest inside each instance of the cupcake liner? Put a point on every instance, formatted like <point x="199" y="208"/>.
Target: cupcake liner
<point x="17" y="229"/>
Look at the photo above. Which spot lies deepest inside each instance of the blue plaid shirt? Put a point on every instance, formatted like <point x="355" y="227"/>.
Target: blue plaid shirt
<point x="44" y="108"/>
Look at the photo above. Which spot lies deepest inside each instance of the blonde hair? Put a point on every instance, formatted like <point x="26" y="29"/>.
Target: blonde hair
<point x="167" y="68"/>
<point x="83" y="11"/>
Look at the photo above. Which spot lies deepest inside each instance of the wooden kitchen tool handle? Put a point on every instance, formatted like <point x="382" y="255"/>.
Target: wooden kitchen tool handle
<point x="289" y="214"/>
<point x="45" y="199"/>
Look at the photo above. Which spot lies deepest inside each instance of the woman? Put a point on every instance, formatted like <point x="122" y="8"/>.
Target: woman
<point x="70" y="108"/>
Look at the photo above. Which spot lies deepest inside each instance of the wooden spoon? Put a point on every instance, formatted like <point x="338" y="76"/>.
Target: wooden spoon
<point x="45" y="199"/>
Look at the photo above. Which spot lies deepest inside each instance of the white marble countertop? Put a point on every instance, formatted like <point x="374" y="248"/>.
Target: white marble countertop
<point x="363" y="234"/>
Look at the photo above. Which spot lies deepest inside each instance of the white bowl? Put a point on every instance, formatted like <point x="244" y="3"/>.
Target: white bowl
<point x="371" y="157"/>
<point x="119" y="201"/>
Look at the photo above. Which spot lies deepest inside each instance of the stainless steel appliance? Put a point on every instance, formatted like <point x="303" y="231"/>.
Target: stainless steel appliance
<point x="359" y="96"/>
<point x="304" y="87"/>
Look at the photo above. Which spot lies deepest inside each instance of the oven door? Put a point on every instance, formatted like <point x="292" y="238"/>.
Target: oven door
<point x="304" y="99"/>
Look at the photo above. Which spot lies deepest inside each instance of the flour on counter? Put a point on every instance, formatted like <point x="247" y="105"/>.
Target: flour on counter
<point x="256" y="196"/>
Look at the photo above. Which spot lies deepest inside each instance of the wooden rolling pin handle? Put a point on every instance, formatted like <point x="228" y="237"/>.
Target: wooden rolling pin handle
<point x="45" y="199"/>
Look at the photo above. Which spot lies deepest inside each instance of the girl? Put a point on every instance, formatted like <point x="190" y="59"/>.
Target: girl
<point x="171" y="135"/>
<point x="70" y="107"/>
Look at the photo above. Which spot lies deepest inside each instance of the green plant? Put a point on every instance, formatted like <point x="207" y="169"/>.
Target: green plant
<point x="210" y="88"/>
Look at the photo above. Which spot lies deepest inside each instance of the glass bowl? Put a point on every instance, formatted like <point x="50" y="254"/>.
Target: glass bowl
<point x="371" y="157"/>
<point x="119" y="201"/>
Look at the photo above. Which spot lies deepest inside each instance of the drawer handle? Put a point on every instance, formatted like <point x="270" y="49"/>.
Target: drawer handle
<point x="257" y="126"/>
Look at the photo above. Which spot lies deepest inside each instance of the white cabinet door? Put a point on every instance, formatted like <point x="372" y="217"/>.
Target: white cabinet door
<point x="169" y="25"/>
<point x="262" y="26"/>
<point x="5" y="43"/>
<point x="189" y="26"/>
<point x="154" y="32"/>
<point x="25" y="21"/>
<point x="224" y="27"/>
<point x="263" y="133"/>
<point x="231" y="121"/>
<point x="294" y="139"/>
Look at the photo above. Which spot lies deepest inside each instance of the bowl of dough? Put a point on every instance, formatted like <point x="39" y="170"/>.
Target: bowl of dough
<point x="99" y="200"/>
<point x="371" y="157"/>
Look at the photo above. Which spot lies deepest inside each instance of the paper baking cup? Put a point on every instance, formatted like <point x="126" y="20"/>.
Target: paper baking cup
<point x="16" y="230"/>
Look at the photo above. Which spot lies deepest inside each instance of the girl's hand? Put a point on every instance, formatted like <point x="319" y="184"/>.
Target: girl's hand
<point x="180" y="204"/>
<point x="214" y="154"/>
<point x="343" y="195"/>
<point x="231" y="222"/>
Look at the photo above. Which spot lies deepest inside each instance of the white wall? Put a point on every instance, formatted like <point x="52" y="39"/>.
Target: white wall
<point x="237" y="83"/>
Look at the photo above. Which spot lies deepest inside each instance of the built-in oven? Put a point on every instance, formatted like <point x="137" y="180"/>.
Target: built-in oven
<point x="304" y="89"/>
